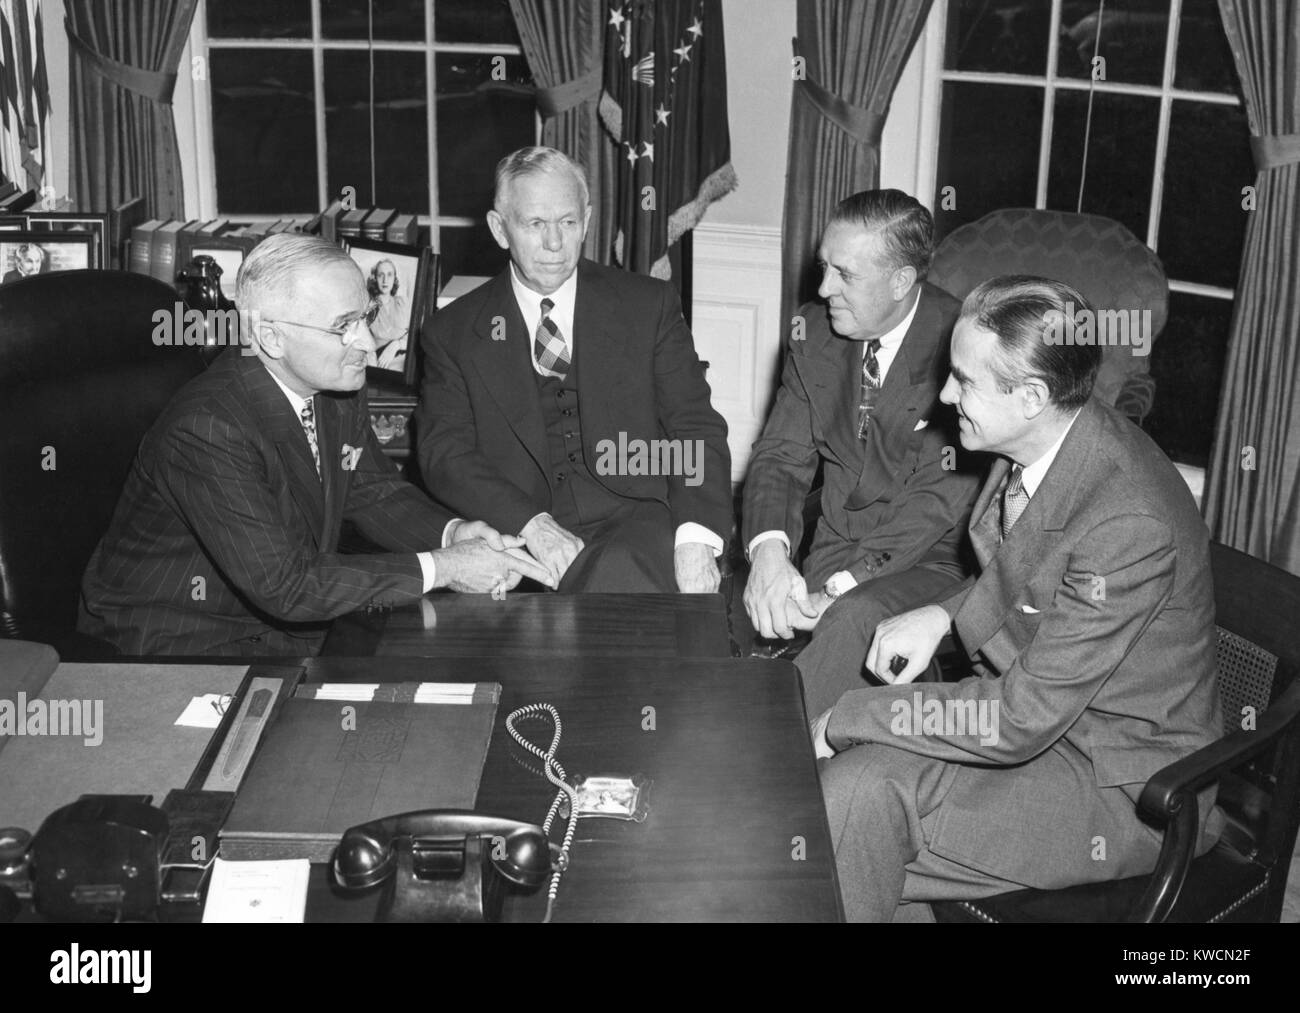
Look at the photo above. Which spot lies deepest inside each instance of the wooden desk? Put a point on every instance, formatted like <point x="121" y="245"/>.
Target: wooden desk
<point x="737" y="830"/>
<point x="542" y="625"/>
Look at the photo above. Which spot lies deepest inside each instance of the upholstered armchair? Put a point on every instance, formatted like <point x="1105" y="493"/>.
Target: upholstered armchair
<point x="1098" y="256"/>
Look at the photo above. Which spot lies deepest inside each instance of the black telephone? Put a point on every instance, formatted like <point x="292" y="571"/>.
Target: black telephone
<point x="443" y="865"/>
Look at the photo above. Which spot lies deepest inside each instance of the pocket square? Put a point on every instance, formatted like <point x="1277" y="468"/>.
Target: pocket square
<point x="1028" y="610"/>
<point x="920" y="425"/>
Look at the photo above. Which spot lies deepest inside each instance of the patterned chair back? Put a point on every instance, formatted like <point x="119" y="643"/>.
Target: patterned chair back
<point x="1098" y="256"/>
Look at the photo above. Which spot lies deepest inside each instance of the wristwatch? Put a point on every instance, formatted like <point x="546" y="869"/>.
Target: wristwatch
<point x="838" y="583"/>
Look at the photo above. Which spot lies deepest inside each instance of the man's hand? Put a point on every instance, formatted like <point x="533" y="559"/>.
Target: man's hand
<point x="796" y="612"/>
<point x="773" y="584"/>
<point x="473" y="566"/>
<point x="553" y="546"/>
<point x="465" y="531"/>
<point x="696" y="568"/>
<point x="912" y="635"/>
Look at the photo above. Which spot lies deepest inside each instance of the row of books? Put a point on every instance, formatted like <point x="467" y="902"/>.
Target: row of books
<point x="161" y="248"/>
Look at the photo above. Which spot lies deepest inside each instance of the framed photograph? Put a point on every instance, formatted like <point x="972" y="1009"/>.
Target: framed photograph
<point x="94" y="225"/>
<point x="228" y="253"/>
<point x="27" y="253"/>
<point x="403" y="282"/>
<point x="13" y="223"/>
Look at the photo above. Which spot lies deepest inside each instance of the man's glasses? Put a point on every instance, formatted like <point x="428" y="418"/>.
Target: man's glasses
<point x="367" y="316"/>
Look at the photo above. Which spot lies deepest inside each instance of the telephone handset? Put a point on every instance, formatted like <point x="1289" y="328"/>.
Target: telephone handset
<point x="443" y="865"/>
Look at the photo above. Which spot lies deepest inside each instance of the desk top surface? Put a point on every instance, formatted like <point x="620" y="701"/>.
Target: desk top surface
<point x="737" y="830"/>
<point x="539" y="625"/>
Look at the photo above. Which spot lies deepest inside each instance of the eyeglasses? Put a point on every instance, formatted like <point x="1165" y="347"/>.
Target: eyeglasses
<point x="368" y="316"/>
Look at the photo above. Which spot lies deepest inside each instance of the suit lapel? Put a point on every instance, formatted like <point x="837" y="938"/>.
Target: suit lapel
<point x="505" y="366"/>
<point x="284" y="428"/>
<point x="1008" y="567"/>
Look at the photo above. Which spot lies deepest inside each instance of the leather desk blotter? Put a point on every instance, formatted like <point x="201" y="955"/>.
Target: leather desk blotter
<point x="327" y="765"/>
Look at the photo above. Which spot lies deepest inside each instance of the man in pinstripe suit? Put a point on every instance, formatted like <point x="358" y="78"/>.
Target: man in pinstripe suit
<point x="225" y="539"/>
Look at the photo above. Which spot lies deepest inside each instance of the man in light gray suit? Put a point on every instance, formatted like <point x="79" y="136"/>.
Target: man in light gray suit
<point x="1091" y="622"/>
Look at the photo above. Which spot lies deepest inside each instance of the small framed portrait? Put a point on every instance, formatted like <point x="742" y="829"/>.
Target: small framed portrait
<point x="28" y="253"/>
<point x="13" y="223"/>
<point x="402" y="282"/>
<point x="228" y="253"/>
<point x="95" y="226"/>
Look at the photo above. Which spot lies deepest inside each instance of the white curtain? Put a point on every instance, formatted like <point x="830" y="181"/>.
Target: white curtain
<point x="24" y="94"/>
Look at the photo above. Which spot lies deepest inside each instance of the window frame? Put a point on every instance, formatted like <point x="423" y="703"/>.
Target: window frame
<point x="200" y="137"/>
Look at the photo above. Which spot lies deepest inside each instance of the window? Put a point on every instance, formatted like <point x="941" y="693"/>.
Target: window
<point x="301" y="92"/>
<point x="1168" y="155"/>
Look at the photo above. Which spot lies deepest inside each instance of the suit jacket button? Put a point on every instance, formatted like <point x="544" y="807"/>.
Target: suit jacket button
<point x="568" y="411"/>
<point x="560" y="394"/>
<point x="559" y="476"/>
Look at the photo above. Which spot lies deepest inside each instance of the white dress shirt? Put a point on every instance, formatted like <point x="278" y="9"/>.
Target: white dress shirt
<point x="564" y="298"/>
<point x="890" y="342"/>
<point x="1031" y="475"/>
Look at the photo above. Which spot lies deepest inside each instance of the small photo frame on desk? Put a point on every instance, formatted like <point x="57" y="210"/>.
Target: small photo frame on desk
<point x="228" y="253"/>
<point x="66" y="221"/>
<point x="27" y="253"/>
<point x="13" y="223"/>
<point x="403" y="281"/>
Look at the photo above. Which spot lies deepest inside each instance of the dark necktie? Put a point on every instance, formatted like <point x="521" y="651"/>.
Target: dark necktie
<point x="870" y="388"/>
<point x="549" y="348"/>
<point x="308" y="417"/>
<point x="1014" y="500"/>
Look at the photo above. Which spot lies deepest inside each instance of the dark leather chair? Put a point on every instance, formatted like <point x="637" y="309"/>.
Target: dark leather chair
<point x="1242" y="878"/>
<point x="1098" y="256"/>
<point x="81" y="381"/>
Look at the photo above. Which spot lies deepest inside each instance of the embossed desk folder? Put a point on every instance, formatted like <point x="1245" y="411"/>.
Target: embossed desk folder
<point x="329" y="763"/>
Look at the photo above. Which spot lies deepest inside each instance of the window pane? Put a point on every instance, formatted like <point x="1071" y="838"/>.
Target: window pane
<point x="395" y="20"/>
<point x="470" y="251"/>
<point x="1187" y="364"/>
<point x="259" y="19"/>
<point x="1133" y="38"/>
<point x="401" y="128"/>
<point x="480" y="120"/>
<point x="1121" y="156"/>
<point x="474" y="21"/>
<point x="264" y="131"/>
<point x="1203" y="224"/>
<point x="1004" y="38"/>
<point x="1204" y="59"/>
<point x="988" y="150"/>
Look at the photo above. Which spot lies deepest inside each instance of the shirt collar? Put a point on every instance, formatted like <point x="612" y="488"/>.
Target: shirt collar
<point x="1032" y="475"/>
<point x="893" y="337"/>
<point x="297" y="401"/>
<point x="530" y="302"/>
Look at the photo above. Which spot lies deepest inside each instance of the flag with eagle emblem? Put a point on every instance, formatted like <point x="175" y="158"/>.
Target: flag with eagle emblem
<point x="665" y="104"/>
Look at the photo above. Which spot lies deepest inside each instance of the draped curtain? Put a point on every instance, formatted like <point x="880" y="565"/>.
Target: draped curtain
<point x="24" y="94"/>
<point x="564" y="44"/>
<point x="1253" y="482"/>
<point x="849" y="55"/>
<point x="124" y="56"/>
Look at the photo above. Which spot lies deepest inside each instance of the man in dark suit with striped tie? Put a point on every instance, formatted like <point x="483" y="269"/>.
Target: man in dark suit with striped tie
<point x="564" y="401"/>
<point x="225" y="538"/>
<point x="859" y="395"/>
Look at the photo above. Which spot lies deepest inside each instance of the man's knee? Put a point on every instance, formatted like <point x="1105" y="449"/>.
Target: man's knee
<point x="869" y="782"/>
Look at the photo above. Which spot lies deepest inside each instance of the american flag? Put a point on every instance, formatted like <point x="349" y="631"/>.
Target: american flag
<point x="24" y="93"/>
<point x="665" y="103"/>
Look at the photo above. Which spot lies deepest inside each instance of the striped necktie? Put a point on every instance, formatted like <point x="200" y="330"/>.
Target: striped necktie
<point x="308" y="418"/>
<point x="549" y="348"/>
<point x="870" y="388"/>
<point x="1014" y="500"/>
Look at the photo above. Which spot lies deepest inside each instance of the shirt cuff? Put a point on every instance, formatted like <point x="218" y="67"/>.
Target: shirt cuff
<point x="692" y="532"/>
<point x="429" y="568"/>
<point x="447" y="533"/>
<point x="763" y="536"/>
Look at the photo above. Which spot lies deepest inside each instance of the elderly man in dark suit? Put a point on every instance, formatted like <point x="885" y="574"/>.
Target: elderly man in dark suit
<point x="859" y="395"/>
<point x="564" y="401"/>
<point x="1092" y="619"/>
<point x="225" y="538"/>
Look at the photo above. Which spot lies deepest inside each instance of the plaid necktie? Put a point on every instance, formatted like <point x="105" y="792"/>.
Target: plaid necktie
<point x="1014" y="501"/>
<point x="308" y="418"/>
<point x="549" y="348"/>
<point x="870" y="388"/>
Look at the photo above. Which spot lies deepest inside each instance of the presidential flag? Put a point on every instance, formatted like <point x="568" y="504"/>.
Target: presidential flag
<point x="665" y="104"/>
<point x="24" y="94"/>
